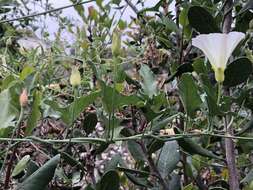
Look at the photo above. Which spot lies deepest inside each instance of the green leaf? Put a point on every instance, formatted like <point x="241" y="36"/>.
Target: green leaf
<point x="75" y="108"/>
<point x="135" y="150"/>
<point x="79" y="9"/>
<point x="122" y="24"/>
<point x="35" y="113"/>
<point x="175" y="182"/>
<point x="199" y="66"/>
<point x="243" y="21"/>
<point x="70" y="160"/>
<point x="111" y="98"/>
<point x="155" y="8"/>
<point x="41" y="177"/>
<point x="246" y="145"/>
<point x="89" y="187"/>
<point x="109" y="181"/>
<point x="7" y="81"/>
<point x="190" y="187"/>
<point x="211" y="99"/>
<point x="184" y="68"/>
<point x="238" y="72"/>
<point x="170" y="25"/>
<point x="26" y="72"/>
<point x="247" y="6"/>
<point x="21" y="166"/>
<point x="183" y="17"/>
<point x="247" y="128"/>
<point x="192" y="147"/>
<point x="140" y="181"/>
<point x="189" y="94"/>
<point x="113" y="163"/>
<point x="8" y="112"/>
<point x="169" y="157"/>
<point x="90" y="122"/>
<point x="248" y="178"/>
<point x="155" y="145"/>
<point x="149" y="84"/>
<point x="30" y="169"/>
<point x="201" y="20"/>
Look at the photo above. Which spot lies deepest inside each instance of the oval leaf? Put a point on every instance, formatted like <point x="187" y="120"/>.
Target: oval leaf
<point x="238" y="72"/>
<point x="189" y="94"/>
<point x="41" y="177"/>
<point x="201" y="20"/>
<point x="169" y="158"/>
<point x="109" y="181"/>
<point x="22" y="164"/>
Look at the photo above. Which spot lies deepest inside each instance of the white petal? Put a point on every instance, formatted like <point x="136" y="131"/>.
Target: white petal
<point x="233" y="39"/>
<point x="218" y="47"/>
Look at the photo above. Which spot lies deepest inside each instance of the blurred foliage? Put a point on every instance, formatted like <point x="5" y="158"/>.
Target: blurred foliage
<point x="133" y="95"/>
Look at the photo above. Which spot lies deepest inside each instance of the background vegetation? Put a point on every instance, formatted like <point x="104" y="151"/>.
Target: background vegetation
<point x="144" y="114"/>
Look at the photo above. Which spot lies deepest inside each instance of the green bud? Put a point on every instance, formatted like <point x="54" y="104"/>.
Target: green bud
<point x="251" y="24"/>
<point x="75" y="77"/>
<point x="116" y="43"/>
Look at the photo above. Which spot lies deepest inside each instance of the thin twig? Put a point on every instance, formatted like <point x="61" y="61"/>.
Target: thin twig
<point x="132" y="6"/>
<point x="45" y="12"/>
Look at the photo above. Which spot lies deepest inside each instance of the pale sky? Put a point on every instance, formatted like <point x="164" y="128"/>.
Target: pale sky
<point x="51" y="25"/>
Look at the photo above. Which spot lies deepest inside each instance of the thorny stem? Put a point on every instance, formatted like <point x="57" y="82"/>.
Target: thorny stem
<point x="229" y="144"/>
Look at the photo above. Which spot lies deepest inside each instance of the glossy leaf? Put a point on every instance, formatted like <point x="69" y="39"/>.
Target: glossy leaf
<point x="8" y="112"/>
<point x="238" y="72"/>
<point x="201" y="20"/>
<point x="109" y="181"/>
<point x="90" y="122"/>
<point x="21" y="165"/>
<point x="168" y="159"/>
<point x="75" y="108"/>
<point x="41" y="177"/>
<point x="192" y="147"/>
<point x="135" y="150"/>
<point x="247" y="6"/>
<point x="189" y="94"/>
<point x="35" y="113"/>
<point x="112" y="99"/>
<point x="149" y="85"/>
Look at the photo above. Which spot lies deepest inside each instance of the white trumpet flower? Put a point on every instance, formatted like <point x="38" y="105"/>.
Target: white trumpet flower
<point x="218" y="47"/>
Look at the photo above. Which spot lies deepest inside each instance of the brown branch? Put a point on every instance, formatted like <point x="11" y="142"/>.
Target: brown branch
<point x="229" y="143"/>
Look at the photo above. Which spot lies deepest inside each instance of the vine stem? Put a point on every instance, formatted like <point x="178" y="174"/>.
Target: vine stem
<point x="134" y="137"/>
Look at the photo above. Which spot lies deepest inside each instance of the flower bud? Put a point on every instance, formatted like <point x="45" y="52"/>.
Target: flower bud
<point x="23" y="98"/>
<point x="75" y="77"/>
<point x="116" y="43"/>
<point x="251" y="24"/>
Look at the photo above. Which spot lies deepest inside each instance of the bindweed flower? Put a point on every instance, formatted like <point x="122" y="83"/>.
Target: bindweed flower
<point x="23" y="98"/>
<point x="75" y="77"/>
<point x="218" y="48"/>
